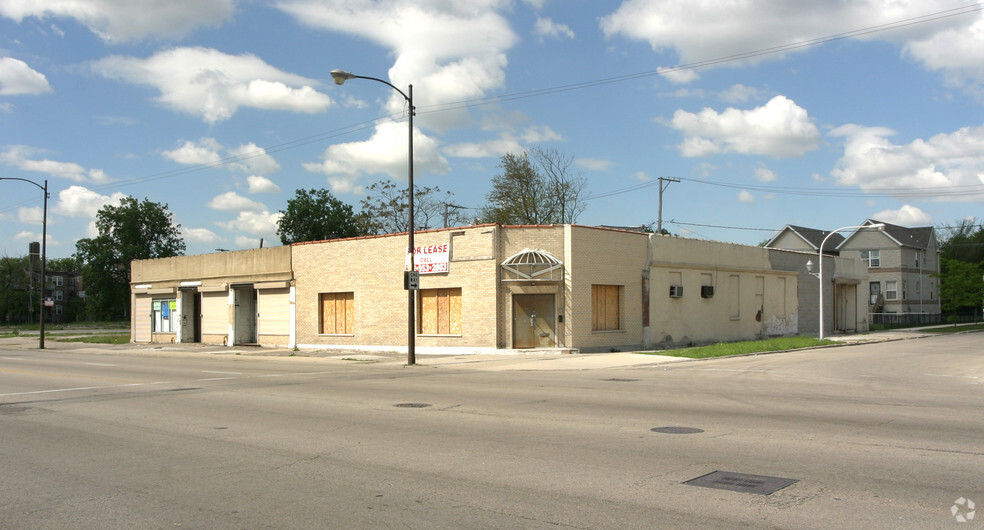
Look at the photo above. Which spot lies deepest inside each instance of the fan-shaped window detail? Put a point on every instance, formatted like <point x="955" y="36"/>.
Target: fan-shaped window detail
<point x="532" y="265"/>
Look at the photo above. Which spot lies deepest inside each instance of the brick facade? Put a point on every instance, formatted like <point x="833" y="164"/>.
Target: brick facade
<point x="607" y="289"/>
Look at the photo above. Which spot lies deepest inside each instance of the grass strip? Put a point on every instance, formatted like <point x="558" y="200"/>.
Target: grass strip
<point x="723" y="349"/>
<point x="955" y="329"/>
<point x="97" y="338"/>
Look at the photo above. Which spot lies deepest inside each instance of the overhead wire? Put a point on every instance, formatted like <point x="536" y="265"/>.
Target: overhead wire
<point x="443" y="107"/>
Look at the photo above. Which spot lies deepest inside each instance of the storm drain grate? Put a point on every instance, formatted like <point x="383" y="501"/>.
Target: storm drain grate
<point x="412" y="405"/>
<point x="677" y="430"/>
<point x="741" y="482"/>
<point x="621" y="380"/>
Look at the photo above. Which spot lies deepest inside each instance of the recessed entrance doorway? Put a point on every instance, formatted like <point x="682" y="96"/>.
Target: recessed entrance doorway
<point x="534" y="321"/>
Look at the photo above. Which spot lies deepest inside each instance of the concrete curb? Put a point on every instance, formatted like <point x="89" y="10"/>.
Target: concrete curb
<point x="485" y="362"/>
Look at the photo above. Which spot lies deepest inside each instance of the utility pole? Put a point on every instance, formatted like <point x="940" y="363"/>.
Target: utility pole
<point x="664" y="183"/>
<point x="447" y="212"/>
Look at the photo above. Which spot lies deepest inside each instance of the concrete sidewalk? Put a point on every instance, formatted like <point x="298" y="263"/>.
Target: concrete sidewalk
<point x="489" y="362"/>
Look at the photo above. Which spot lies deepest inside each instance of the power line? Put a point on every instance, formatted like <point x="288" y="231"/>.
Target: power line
<point x="922" y="19"/>
<point x="753" y="229"/>
<point x="443" y="107"/>
<point x="961" y="190"/>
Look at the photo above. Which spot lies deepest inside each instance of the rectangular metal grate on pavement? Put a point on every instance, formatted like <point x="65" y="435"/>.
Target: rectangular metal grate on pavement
<point x="741" y="482"/>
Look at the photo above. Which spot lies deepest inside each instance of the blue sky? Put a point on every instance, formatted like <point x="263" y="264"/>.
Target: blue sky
<point x="769" y="112"/>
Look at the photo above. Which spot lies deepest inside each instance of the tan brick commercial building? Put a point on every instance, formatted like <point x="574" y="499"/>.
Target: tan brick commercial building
<point x="482" y="289"/>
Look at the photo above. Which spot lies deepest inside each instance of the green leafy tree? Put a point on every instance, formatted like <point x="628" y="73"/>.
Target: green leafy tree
<point x="960" y="285"/>
<point x="15" y="303"/>
<point x="129" y="231"/>
<point x="519" y="196"/>
<point x="537" y="187"/>
<point x="316" y="215"/>
<point x="964" y="241"/>
<point x="387" y="211"/>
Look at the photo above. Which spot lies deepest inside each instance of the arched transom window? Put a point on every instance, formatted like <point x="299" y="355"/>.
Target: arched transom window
<point x="532" y="266"/>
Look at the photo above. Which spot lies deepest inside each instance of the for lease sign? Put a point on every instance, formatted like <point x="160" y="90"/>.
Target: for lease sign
<point x="429" y="259"/>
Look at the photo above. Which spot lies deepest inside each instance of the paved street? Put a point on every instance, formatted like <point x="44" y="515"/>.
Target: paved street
<point x="879" y="435"/>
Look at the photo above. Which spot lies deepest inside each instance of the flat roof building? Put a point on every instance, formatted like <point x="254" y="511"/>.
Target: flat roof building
<point x="486" y="288"/>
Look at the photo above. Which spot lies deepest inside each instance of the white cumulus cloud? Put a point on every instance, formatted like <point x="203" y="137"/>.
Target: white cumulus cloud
<point x="907" y="215"/>
<point x="79" y="201"/>
<point x="205" y="151"/>
<point x="126" y="20"/>
<point x="778" y="129"/>
<point x="247" y="158"/>
<point x="764" y="174"/>
<point x="261" y="223"/>
<point x="701" y="30"/>
<point x="25" y="158"/>
<point x="873" y="162"/>
<point x="31" y="215"/>
<point x="16" y="77"/>
<point x="232" y="201"/>
<point x="199" y="235"/>
<point x="449" y="50"/>
<point x="211" y="84"/>
<point x="547" y="27"/>
<point x="384" y="153"/>
<point x="258" y="184"/>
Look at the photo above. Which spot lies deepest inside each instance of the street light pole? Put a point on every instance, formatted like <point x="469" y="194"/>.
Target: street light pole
<point x="44" y="251"/>
<point x="879" y="226"/>
<point x="340" y="76"/>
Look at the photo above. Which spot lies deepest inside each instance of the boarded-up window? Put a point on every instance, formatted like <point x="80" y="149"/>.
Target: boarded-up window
<point x="440" y="311"/>
<point x="734" y="296"/>
<point x="605" y="305"/>
<point x="337" y="313"/>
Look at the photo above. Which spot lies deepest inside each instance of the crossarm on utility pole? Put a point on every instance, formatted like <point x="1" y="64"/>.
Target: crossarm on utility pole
<point x="664" y="182"/>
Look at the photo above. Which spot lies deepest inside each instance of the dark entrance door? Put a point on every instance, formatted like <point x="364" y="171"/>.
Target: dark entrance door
<point x="533" y="321"/>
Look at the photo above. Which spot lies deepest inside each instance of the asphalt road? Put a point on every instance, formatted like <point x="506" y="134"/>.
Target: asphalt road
<point x="886" y="435"/>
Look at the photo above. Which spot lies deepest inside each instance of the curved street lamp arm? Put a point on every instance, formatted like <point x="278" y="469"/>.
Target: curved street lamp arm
<point x="25" y="180"/>
<point x="44" y="251"/>
<point x="341" y="76"/>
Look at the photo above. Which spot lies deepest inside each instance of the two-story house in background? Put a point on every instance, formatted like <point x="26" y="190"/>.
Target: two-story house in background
<point x="903" y="272"/>
<point x="903" y="266"/>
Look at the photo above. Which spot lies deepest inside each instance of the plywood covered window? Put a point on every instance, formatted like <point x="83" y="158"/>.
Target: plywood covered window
<point x="605" y="307"/>
<point x="439" y="311"/>
<point x="337" y="314"/>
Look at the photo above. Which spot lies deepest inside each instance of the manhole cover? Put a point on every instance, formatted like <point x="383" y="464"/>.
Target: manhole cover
<point x="741" y="482"/>
<point x="677" y="430"/>
<point x="412" y="405"/>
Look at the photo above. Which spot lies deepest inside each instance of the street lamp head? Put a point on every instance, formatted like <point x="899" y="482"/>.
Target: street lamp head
<point x="879" y="226"/>
<point x="341" y="76"/>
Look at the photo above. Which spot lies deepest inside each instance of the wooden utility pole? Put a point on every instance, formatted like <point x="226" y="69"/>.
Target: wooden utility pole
<point x="664" y="182"/>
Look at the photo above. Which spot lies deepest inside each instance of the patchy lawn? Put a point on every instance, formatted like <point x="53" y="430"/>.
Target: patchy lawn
<point x="955" y="329"/>
<point x="723" y="349"/>
<point x="96" y="338"/>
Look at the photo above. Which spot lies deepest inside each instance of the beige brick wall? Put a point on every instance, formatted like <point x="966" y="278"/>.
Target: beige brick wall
<point x="372" y="269"/>
<point x="750" y="299"/>
<point x="606" y="257"/>
<point x="515" y="239"/>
